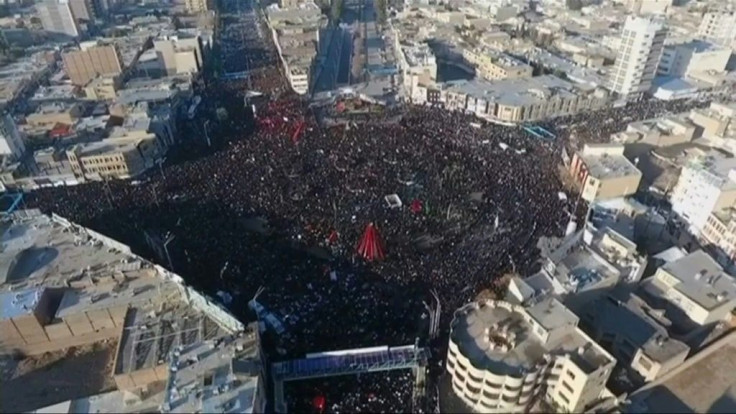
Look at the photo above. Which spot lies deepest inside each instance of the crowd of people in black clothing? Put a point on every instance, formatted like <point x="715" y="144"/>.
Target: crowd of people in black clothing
<point x="284" y="208"/>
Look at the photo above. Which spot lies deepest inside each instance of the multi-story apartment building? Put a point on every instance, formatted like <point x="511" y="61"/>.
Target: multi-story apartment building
<point x="418" y="67"/>
<point x="501" y="357"/>
<point x="113" y="157"/>
<point x="718" y="26"/>
<point x="11" y="141"/>
<point x="684" y="59"/>
<point x="706" y="184"/>
<point x="57" y="17"/>
<point x="642" y="40"/>
<point x="696" y="286"/>
<point x="603" y="172"/>
<point x="47" y="116"/>
<point x="492" y="65"/>
<point x="719" y="233"/>
<point x="519" y="100"/>
<point x="635" y="333"/>
<point x="92" y="60"/>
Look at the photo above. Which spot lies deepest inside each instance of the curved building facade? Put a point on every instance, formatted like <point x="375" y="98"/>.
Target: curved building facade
<point x="503" y="357"/>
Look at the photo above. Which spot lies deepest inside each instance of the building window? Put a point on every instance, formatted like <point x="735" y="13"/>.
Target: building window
<point x="571" y="375"/>
<point x="568" y="387"/>
<point x="563" y="397"/>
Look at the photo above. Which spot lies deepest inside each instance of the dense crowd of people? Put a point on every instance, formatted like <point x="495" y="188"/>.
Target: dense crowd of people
<point x="384" y="392"/>
<point x="285" y="207"/>
<point x="281" y="201"/>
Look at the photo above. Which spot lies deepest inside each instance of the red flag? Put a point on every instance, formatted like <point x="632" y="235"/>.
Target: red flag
<point x="319" y="403"/>
<point x="416" y="206"/>
<point x="332" y="238"/>
<point x="370" y="246"/>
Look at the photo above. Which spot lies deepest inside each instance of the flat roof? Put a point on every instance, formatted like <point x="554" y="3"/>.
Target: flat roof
<point x="605" y="166"/>
<point x="525" y="349"/>
<point x="630" y="317"/>
<point x="14" y="304"/>
<point x="515" y="92"/>
<point x="224" y="377"/>
<point x="702" y="279"/>
<point x="706" y="385"/>
<point x="95" y="273"/>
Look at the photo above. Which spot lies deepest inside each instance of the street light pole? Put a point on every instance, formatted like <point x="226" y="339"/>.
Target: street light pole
<point x="160" y="163"/>
<point x="169" y="239"/>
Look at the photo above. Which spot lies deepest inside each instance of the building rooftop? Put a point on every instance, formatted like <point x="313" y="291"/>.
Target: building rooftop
<point x="702" y="279"/>
<point x="643" y="327"/>
<point x="224" y="373"/>
<point x="508" y="339"/>
<point x="92" y="276"/>
<point x="515" y="92"/>
<point x="701" y="385"/>
<point x="608" y="165"/>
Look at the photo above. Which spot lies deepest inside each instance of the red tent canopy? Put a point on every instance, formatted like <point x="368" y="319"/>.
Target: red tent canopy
<point x="370" y="246"/>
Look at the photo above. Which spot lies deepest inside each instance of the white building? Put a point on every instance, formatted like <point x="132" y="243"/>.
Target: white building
<point x="642" y="40"/>
<point x="57" y="17"/>
<point x="684" y="59"/>
<point x="11" y="142"/>
<point x="501" y="357"/>
<point x="649" y="6"/>
<point x="418" y="70"/>
<point x="706" y="184"/>
<point x="718" y="27"/>
<point x="697" y="286"/>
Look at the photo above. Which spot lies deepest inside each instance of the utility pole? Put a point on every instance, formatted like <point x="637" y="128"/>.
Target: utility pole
<point x="169" y="238"/>
<point x="160" y="163"/>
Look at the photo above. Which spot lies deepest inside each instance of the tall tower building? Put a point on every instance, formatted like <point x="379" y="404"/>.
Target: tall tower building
<point x="642" y="41"/>
<point x="57" y="17"/>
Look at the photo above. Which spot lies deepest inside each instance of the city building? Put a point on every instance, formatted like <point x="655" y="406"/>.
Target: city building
<point x="635" y="333"/>
<point x="719" y="235"/>
<point x="659" y="132"/>
<point x="228" y="380"/>
<point x="103" y="87"/>
<point x="85" y="289"/>
<point x="502" y="357"/>
<point x="716" y="120"/>
<point x="92" y="60"/>
<point x="113" y="157"/>
<point x="694" y="288"/>
<point x="585" y="264"/>
<point x="603" y="172"/>
<point x="649" y="6"/>
<point x="11" y="140"/>
<point x="179" y="54"/>
<point x="83" y="10"/>
<point x="492" y="65"/>
<point x="718" y="26"/>
<point x="642" y="40"/>
<point x="296" y="32"/>
<point x="197" y="6"/>
<point x="57" y="17"/>
<point x="49" y="115"/>
<point x="519" y="100"/>
<point x="418" y="69"/>
<point x="706" y="184"/>
<point x="685" y="59"/>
